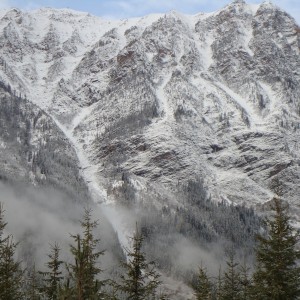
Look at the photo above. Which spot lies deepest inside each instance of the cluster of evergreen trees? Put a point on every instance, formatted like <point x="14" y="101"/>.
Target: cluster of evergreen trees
<point x="202" y="220"/>
<point x="79" y="279"/>
<point x="35" y="148"/>
<point x="276" y="275"/>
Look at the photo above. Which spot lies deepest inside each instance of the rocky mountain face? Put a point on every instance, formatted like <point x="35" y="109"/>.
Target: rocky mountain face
<point x="34" y="150"/>
<point x="154" y="105"/>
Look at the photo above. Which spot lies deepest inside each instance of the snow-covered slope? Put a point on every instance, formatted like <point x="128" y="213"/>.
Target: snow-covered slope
<point x="207" y="95"/>
<point x="34" y="150"/>
<point x="167" y="99"/>
<point x="155" y="108"/>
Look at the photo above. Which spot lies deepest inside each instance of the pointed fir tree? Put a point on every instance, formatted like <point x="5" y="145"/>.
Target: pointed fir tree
<point x="218" y="287"/>
<point x="33" y="285"/>
<point x="3" y="224"/>
<point x="93" y="285"/>
<point x="11" y="274"/>
<point x="77" y="271"/>
<point x="245" y="282"/>
<point x="66" y="292"/>
<point x="53" y="277"/>
<point x="277" y="274"/>
<point x="203" y="286"/>
<point x="140" y="281"/>
<point x="231" y="288"/>
<point x="84" y="272"/>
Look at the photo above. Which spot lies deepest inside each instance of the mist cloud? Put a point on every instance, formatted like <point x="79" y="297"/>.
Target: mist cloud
<point x="39" y="217"/>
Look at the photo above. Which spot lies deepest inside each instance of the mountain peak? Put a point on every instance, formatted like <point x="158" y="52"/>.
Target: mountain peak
<point x="269" y="4"/>
<point x="238" y="2"/>
<point x="12" y="13"/>
<point x="152" y="86"/>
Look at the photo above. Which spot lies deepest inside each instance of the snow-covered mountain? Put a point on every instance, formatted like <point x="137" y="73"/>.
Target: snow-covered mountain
<point x="152" y="104"/>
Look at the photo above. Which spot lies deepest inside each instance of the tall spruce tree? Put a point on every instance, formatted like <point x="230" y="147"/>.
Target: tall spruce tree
<point x="140" y="281"/>
<point x="11" y="274"/>
<point x="32" y="288"/>
<point x="245" y="282"/>
<point x="203" y="286"/>
<point x="231" y="288"/>
<point x="84" y="272"/>
<point x="277" y="274"/>
<point x="53" y="276"/>
<point x="66" y="292"/>
<point x="218" y="286"/>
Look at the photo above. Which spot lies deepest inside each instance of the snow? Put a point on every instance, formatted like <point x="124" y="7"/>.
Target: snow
<point x="147" y="21"/>
<point x="205" y="95"/>
<point x="88" y="170"/>
<point x="248" y="35"/>
<point x="85" y="112"/>
<point x="2" y="145"/>
<point x="253" y="8"/>
<point x="205" y="51"/>
<point x="122" y="222"/>
<point x="201" y="92"/>
<point x="3" y="12"/>
<point x="254" y="118"/>
<point x="275" y="104"/>
<point x="164" y="108"/>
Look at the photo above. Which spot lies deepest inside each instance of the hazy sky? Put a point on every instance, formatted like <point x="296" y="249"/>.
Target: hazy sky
<point x="133" y="8"/>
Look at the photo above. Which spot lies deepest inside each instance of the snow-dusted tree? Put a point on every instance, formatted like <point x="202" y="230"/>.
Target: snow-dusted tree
<point x="53" y="276"/>
<point x="140" y="280"/>
<point x="277" y="274"/>
<point x="11" y="274"/>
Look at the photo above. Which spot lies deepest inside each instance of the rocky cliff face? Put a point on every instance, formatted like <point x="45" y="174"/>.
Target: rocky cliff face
<point x="34" y="150"/>
<point x="153" y="103"/>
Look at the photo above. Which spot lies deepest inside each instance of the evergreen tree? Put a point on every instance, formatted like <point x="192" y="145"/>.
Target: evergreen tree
<point x="218" y="289"/>
<point x="2" y="226"/>
<point x="141" y="280"/>
<point x="53" y="277"/>
<point x="66" y="291"/>
<point x="277" y="275"/>
<point x="231" y="288"/>
<point x="245" y="282"/>
<point x="11" y="275"/>
<point x="203" y="286"/>
<point x="33" y="285"/>
<point x="77" y="271"/>
<point x="84" y="271"/>
<point x="90" y="244"/>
